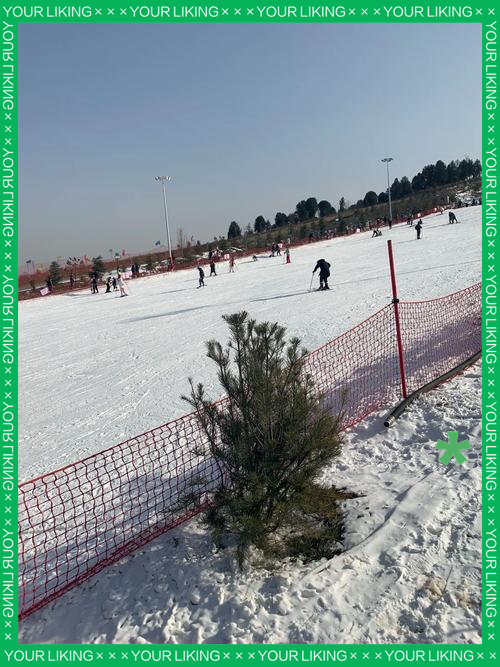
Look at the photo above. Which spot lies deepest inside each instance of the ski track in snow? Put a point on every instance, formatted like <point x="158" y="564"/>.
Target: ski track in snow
<point x="411" y="572"/>
<point x="95" y="370"/>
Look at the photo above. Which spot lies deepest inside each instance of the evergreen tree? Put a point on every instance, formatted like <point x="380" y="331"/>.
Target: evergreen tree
<point x="342" y="205"/>
<point x="406" y="188"/>
<point x="311" y="207"/>
<point x="383" y="198"/>
<point x="234" y="230"/>
<point x="441" y="173"/>
<point x="55" y="272"/>
<point x="371" y="198"/>
<point x="477" y="168"/>
<point x="281" y="219"/>
<point x="260" y="224"/>
<point x="325" y="208"/>
<point x="452" y="172"/>
<point x="98" y="266"/>
<point x="302" y="211"/>
<point x="270" y="443"/>
<point x="396" y="189"/>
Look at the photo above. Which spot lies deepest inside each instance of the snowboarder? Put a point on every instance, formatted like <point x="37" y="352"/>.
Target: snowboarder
<point x="324" y="273"/>
<point x="255" y="258"/>
<point x="212" y="268"/>
<point x="201" y="282"/>
<point x="452" y="218"/>
<point x="418" y="228"/>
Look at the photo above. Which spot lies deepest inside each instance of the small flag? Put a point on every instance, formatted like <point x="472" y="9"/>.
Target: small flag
<point x="123" y="253"/>
<point x="157" y="243"/>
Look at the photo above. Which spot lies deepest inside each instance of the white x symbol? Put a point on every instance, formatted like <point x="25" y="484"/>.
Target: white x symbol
<point x="98" y="11"/>
<point x="123" y="11"/>
<point x="7" y="141"/>
<point x="364" y="11"/>
<point x="7" y="116"/>
<point x="111" y="11"/>
<point x="352" y="11"/>
<point x="491" y="11"/>
<point x="249" y="11"/>
<point x="237" y="11"/>
<point x="225" y="11"/>
<point x="479" y="11"/>
<point x="377" y="11"/>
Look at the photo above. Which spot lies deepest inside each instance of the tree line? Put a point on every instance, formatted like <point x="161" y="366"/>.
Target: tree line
<point x="431" y="176"/>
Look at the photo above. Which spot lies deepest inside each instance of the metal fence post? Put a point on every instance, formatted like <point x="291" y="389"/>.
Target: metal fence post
<point x="395" y="302"/>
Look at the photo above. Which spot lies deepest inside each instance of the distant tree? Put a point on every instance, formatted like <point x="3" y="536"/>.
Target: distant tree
<point x="396" y="189"/>
<point x="248" y="229"/>
<point x="383" y="198"/>
<point x="222" y="244"/>
<point x="260" y="224"/>
<point x="55" y="272"/>
<point x="311" y="207"/>
<point x="441" y="174"/>
<point x="325" y="208"/>
<point x="418" y="182"/>
<point x="452" y="172"/>
<point x="234" y="230"/>
<point x="466" y="168"/>
<point x="293" y="218"/>
<point x="406" y="188"/>
<point x="477" y="168"/>
<point x="98" y="266"/>
<point x="429" y="175"/>
<point x="281" y="219"/>
<point x="302" y="211"/>
<point x="341" y="205"/>
<point x="371" y="198"/>
<point x="302" y="232"/>
<point x="359" y="204"/>
<point x="268" y="225"/>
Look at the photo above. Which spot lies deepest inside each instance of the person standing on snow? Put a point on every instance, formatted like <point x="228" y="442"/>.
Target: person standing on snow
<point x="418" y="228"/>
<point x="212" y="268"/>
<point x="287" y="255"/>
<point x="201" y="280"/>
<point x="231" y="264"/>
<point x="121" y="285"/>
<point x="324" y="273"/>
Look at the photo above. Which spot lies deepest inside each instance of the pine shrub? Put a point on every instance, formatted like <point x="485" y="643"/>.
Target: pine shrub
<point x="270" y="439"/>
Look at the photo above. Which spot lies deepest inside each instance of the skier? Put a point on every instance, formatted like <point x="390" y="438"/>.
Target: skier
<point x="324" y="273"/>
<point x="212" y="268"/>
<point x="452" y="218"/>
<point x="121" y="285"/>
<point x="418" y="228"/>
<point x="95" y="289"/>
<point x="231" y="264"/>
<point x="201" y="282"/>
<point x="115" y="285"/>
<point x="287" y="254"/>
<point x="278" y="250"/>
<point x="108" y="285"/>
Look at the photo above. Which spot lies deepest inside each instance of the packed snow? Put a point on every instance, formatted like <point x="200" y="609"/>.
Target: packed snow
<point x="95" y="370"/>
<point x="411" y="571"/>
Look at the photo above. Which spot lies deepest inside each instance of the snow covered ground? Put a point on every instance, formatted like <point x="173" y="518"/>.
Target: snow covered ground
<point x="410" y="573"/>
<point x="97" y="369"/>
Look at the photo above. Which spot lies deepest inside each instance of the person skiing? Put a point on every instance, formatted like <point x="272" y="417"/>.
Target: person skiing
<point x="121" y="285"/>
<point x="201" y="282"/>
<point x="452" y="218"/>
<point x="418" y="228"/>
<point x="324" y="273"/>
<point x="108" y="285"/>
<point x="115" y="285"/>
<point x="231" y="264"/>
<point x="212" y="268"/>
<point x="287" y="255"/>
<point x="95" y="289"/>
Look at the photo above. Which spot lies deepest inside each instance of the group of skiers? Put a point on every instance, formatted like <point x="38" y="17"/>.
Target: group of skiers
<point x="116" y="283"/>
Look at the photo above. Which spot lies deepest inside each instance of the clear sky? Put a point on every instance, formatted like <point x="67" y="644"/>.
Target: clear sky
<point x="248" y="119"/>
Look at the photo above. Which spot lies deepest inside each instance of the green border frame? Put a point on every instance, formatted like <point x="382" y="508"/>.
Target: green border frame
<point x="355" y="11"/>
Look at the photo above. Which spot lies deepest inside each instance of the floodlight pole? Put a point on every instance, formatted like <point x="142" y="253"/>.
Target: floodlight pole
<point x="387" y="160"/>
<point x="163" y="180"/>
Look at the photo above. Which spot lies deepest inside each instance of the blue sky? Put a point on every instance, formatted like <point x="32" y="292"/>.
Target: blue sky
<point x="248" y="119"/>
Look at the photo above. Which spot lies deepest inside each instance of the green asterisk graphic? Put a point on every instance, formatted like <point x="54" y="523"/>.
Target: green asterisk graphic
<point x="452" y="448"/>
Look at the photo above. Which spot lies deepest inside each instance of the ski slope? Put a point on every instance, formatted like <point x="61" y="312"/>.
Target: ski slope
<point x="410" y="572"/>
<point x="97" y="369"/>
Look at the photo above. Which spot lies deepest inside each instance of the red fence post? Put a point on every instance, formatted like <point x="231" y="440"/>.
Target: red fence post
<point x="395" y="301"/>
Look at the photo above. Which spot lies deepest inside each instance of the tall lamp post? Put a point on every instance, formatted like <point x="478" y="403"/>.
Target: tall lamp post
<point x="387" y="160"/>
<point x="163" y="180"/>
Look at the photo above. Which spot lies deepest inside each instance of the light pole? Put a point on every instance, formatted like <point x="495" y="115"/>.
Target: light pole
<point x="163" y="180"/>
<point x="387" y="160"/>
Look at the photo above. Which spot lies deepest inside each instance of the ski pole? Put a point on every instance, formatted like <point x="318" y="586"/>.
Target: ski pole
<point x="310" y="286"/>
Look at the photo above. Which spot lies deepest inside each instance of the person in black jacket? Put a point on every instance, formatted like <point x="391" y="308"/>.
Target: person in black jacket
<point x="324" y="273"/>
<point x="202" y="276"/>
<point x="418" y="228"/>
